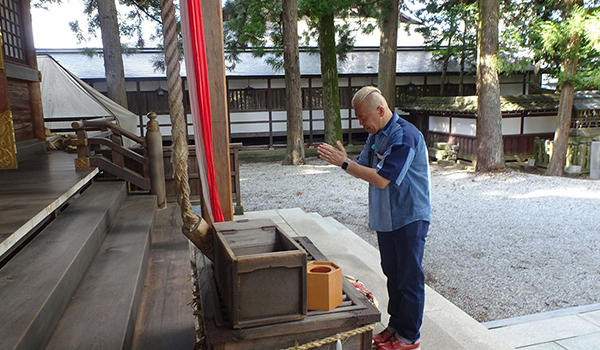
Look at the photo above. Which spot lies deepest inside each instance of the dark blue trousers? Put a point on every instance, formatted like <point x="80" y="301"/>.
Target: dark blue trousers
<point x="402" y="262"/>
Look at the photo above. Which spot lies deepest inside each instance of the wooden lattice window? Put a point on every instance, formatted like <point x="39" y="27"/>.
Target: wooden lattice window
<point x="12" y="30"/>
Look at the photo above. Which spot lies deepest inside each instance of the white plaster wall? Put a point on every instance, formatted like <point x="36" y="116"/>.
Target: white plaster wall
<point x="511" y="126"/>
<point x="248" y="116"/>
<point x="511" y="89"/>
<point x="464" y="126"/>
<point x="362" y="81"/>
<point x="277" y="83"/>
<point x="439" y="124"/>
<point x="317" y="125"/>
<point x="279" y="115"/>
<point x="280" y="126"/>
<point x="433" y="80"/>
<point x="535" y="125"/>
<point x="316" y="82"/>
<point x="246" y="128"/>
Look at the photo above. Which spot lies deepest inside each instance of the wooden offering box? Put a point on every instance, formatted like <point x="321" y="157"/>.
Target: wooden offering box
<point x="354" y="312"/>
<point x="260" y="273"/>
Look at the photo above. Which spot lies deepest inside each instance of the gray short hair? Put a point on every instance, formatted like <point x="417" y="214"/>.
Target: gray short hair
<point x="361" y="94"/>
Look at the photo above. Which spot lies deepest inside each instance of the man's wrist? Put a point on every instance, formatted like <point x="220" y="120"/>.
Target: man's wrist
<point x="345" y="164"/>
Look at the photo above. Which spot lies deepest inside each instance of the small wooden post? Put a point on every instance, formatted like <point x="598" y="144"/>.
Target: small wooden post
<point x="155" y="156"/>
<point x="235" y="176"/>
<point x="82" y="161"/>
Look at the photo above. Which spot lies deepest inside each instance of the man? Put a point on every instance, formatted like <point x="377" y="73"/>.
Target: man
<point x="395" y="163"/>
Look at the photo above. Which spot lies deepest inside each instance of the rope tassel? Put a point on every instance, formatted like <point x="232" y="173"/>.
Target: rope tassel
<point x="201" y="235"/>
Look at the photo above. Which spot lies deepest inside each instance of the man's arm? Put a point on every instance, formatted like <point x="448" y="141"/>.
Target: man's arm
<point x="368" y="174"/>
<point x="338" y="156"/>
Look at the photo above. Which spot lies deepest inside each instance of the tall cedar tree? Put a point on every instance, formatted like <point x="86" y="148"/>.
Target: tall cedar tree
<point x="111" y="44"/>
<point x="564" y="39"/>
<point x="490" y="150"/>
<point x="388" y="44"/>
<point x="256" y="25"/>
<point x="450" y="30"/>
<point x="293" y="92"/>
<point x="569" y="34"/>
<point x="322" y="14"/>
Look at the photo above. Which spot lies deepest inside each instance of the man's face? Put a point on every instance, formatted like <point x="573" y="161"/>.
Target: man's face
<point x="369" y="118"/>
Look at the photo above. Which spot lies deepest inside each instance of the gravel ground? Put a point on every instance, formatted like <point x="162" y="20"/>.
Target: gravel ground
<point x="500" y="245"/>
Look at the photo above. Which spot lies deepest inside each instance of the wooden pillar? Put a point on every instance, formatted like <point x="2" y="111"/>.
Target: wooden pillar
<point x="157" y="166"/>
<point x="213" y="34"/>
<point x="35" y="93"/>
<point x="270" y="109"/>
<point x="350" y="110"/>
<point x="310" y="113"/>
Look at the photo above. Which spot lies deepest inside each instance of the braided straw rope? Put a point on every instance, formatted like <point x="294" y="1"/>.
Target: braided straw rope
<point x="195" y="228"/>
<point x="341" y="336"/>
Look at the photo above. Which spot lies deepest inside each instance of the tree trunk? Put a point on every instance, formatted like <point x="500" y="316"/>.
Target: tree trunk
<point x="293" y="92"/>
<point x="490" y="151"/>
<point x="111" y="46"/>
<point x="388" y="44"/>
<point x="463" y="54"/>
<point x="461" y="76"/>
<point x="329" y="76"/>
<point x="567" y="90"/>
<point x="444" y="74"/>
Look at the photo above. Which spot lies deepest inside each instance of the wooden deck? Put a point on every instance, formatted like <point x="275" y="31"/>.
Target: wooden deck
<point x="29" y="194"/>
<point x="165" y="319"/>
<point x="45" y="185"/>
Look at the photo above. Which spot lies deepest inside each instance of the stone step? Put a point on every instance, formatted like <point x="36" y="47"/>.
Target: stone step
<point x="104" y="307"/>
<point x="37" y="283"/>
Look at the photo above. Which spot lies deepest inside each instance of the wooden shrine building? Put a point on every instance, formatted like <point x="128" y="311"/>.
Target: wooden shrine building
<point x="21" y="114"/>
<point x="524" y="117"/>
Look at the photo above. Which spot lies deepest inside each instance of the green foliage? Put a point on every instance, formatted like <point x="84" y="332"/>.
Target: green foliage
<point x="449" y="28"/>
<point x="547" y="28"/>
<point x="43" y="4"/>
<point x="256" y="26"/>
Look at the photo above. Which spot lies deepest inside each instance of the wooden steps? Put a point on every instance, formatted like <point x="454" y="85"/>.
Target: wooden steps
<point x="102" y="311"/>
<point x="81" y="278"/>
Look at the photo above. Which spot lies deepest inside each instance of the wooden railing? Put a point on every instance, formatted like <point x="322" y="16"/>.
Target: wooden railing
<point x="100" y="144"/>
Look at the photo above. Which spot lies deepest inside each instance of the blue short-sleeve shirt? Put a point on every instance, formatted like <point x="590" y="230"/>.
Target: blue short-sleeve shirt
<point x="399" y="154"/>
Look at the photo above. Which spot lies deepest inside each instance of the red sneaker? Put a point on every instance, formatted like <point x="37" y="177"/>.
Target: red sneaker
<point x="382" y="337"/>
<point x="395" y="344"/>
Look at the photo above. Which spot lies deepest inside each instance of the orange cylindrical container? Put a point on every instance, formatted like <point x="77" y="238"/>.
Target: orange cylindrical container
<point x="324" y="285"/>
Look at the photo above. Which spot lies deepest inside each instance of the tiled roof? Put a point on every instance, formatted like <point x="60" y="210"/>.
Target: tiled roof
<point x="139" y="65"/>
<point x="586" y="100"/>
<point x="468" y="104"/>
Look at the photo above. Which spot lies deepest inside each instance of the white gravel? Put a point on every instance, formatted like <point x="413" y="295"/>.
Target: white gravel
<point x="500" y="245"/>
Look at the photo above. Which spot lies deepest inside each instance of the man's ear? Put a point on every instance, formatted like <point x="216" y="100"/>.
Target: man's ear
<point x="380" y="110"/>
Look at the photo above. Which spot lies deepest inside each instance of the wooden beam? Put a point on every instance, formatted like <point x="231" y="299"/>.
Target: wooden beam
<point x="213" y="35"/>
